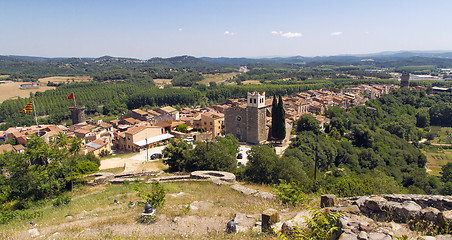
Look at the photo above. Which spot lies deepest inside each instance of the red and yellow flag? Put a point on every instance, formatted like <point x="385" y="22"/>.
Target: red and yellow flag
<point x="28" y="108"/>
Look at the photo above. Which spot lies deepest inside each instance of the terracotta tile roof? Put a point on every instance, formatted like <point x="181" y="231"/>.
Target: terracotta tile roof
<point x="168" y="109"/>
<point x="154" y="113"/>
<point x="135" y="130"/>
<point x="140" y="112"/>
<point x="18" y="147"/>
<point x="6" y="148"/>
<point x="131" y="120"/>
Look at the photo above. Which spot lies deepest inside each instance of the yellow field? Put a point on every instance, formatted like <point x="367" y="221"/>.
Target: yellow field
<point x="59" y="79"/>
<point x="162" y="82"/>
<point x="11" y="90"/>
<point x="220" y="77"/>
<point x="251" y="82"/>
<point x="3" y="76"/>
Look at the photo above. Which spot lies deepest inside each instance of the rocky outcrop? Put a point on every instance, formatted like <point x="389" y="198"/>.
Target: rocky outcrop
<point x="381" y="217"/>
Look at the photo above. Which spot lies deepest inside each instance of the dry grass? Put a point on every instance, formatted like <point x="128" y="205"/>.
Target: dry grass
<point x="92" y="214"/>
<point x="3" y="76"/>
<point x="219" y="77"/>
<point x="251" y="82"/>
<point x="59" y="79"/>
<point x="11" y="90"/>
<point x="162" y="82"/>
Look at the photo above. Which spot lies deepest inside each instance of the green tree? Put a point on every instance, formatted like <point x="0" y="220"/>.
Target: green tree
<point x="446" y="173"/>
<point x="307" y="122"/>
<point x="181" y="128"/>
<point x="210" y="156"/>
<point x="174" y="153"/>
<point x="275" y="117"/>
<point x="281" y="133"/>
<point x="262" y="161"/>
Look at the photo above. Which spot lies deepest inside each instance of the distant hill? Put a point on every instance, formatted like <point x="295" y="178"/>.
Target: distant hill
<point x="380" y="57"/>
<point x="42" y="67"/>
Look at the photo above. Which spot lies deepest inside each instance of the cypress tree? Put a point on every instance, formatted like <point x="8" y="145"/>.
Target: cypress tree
<point x="281" y="115"/>
<point x="274" y="118"/>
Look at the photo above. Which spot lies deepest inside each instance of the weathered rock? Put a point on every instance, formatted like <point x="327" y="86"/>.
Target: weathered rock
<point x="443" y="237"/>
<point x="277" y="226"/>
<point x="269" y="217"/>
<point x="430" y="214"/>
<point x="378" y="236"/>
<point x="361" y="201"/>
<point x="391" y="206"/>
<point x="364" y="226"/>
<point x="348" y="236"/>
<point x="244" y="220"/>
<point x="299" y="220"/>
<point x="243" y="189"/>
<point x="446" y="216"/>
<point x="427" y="238"/>
<point x="375" y="203"/>
<point x="346" y="209"/>
<point x="408" y="210"/>
<point x="328" y="200"/>
<point x="265" y="195"/>
<point x="223" y="176"/>
<point x="362" y="235"/>
<point x="34" y="232"/>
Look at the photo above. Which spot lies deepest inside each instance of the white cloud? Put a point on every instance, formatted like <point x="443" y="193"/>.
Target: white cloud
<point x="287" y="34"/>
<point x="180" y="29"/>
<point x="228" y="33"/>
<point x="336" y="33"/>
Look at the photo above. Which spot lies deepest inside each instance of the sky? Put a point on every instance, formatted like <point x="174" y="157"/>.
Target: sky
<point x="221" y="28"/>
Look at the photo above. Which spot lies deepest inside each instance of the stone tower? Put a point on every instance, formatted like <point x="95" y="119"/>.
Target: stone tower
<point x="256" y="118"/>
<point x="77" y="114"/>
<point x="405" y="80"/>
<point x="248" y="123"/>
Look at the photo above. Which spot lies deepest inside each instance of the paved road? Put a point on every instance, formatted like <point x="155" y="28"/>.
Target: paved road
<point x="142" y="156"/>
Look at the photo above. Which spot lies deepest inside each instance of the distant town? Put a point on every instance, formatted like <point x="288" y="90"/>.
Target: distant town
<point x="138" y="130"/>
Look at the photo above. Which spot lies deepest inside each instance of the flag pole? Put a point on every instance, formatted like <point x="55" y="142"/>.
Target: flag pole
<point x="75" y="103"/>
<point x="36" y="117"/>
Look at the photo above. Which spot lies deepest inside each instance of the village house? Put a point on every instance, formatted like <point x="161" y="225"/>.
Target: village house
<point x="138" y="137"/>
<point x="210" y="121"/>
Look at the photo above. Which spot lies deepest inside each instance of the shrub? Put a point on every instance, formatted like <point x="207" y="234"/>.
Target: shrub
<point x="290" y="193"/>
<point x="61" y="200"/>
<point x="156" y="197"/>
<point x="321" y="226"/>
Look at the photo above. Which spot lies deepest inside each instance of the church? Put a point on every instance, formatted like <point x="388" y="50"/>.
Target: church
<point x="248" y="122"/>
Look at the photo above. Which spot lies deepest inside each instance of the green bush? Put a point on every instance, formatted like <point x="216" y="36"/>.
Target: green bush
<point x="322" y="226"/>
<point x="61" y="200"/>
<point x="156" y="197"/>
<point x="290" y="192"/>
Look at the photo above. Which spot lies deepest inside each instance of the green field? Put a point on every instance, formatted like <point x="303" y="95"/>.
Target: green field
<point x="443" y="135"/>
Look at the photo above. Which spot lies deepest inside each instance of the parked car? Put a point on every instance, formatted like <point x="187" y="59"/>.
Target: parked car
<point x="156" y="156"/>
<point x="239" y="156"/>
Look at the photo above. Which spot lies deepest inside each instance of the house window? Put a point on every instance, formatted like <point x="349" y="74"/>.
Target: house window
<point x="128" y="139"/>
<point x="128" y="146"/>
<point x="210" y="123"/>
<point x="255" y="101"/>
<point x="251" y="100"/>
